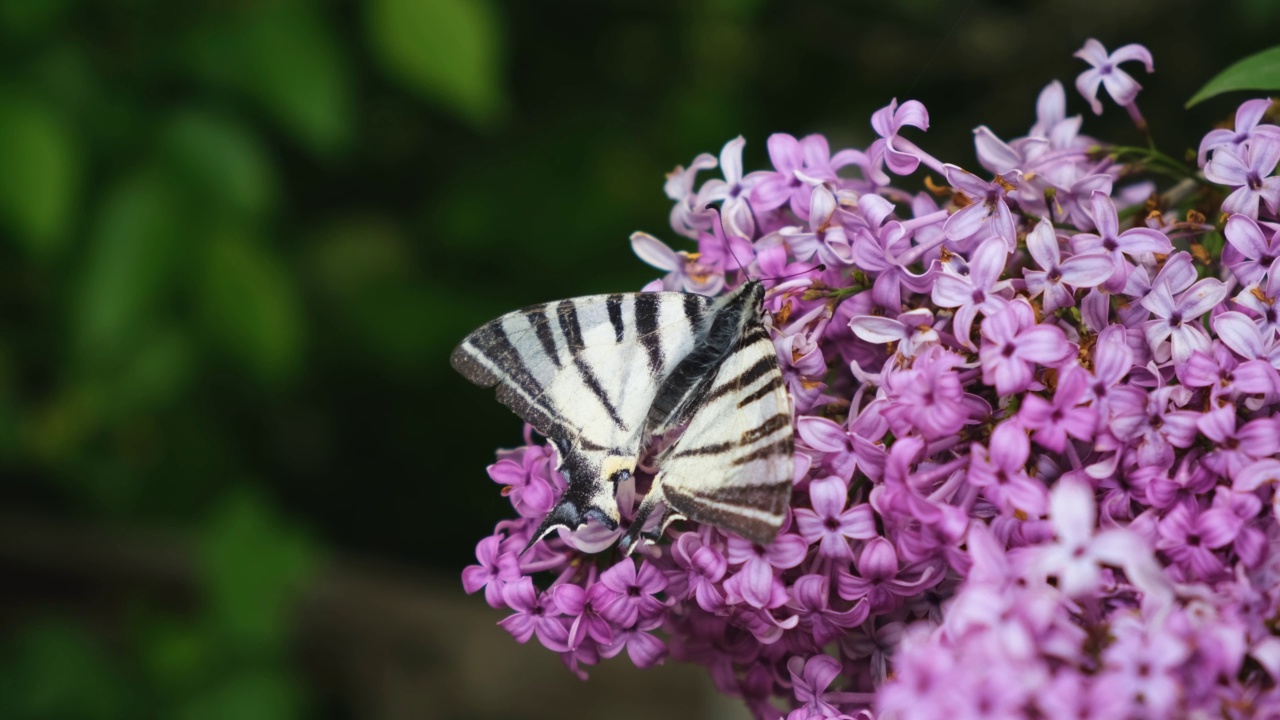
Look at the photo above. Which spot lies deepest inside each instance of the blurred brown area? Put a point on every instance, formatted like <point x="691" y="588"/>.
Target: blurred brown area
<point x="395" y="643"/>
<point x="239" y="239"/>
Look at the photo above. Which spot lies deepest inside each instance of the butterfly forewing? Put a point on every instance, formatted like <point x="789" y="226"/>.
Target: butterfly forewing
<point x="584" y="372"/>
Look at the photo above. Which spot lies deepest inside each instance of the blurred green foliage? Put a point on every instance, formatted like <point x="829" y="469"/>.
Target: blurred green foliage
<point x="240" y="239"/>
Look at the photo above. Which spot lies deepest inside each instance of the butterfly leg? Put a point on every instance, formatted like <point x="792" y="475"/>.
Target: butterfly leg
<point x="651" y="501"/>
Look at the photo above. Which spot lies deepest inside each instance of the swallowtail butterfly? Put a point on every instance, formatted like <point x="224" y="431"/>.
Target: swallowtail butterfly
<point x="603" y="376"/>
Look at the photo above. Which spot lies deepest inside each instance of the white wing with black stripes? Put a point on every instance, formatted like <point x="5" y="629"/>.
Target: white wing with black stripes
<point x="733" y="464"/>
<point x="585" y="372"/>
<point x="601" y="375"/>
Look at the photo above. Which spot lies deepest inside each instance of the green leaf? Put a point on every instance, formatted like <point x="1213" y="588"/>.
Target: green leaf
<point x="131" y="256"/>
<point x="251" y="307"/>
<point x="448" y="50"/>
<point x="55" y="669"/>
<point x="1259" y="11"/>
<point x="41" y="178"/>
<point x="154" y="372"/>
<point x="223" y="161"/>
<point x="31" y="18"/>
<point x="254" y="693"/>
<point x="288" y="58"/>
<point x="253" y="565"/>
<point x="1256" y="72"/>
<point x="176" y="655"/>
<point x="297" y="68"/>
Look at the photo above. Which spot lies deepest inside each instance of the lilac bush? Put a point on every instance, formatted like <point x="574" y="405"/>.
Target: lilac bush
<point x="1036" y="433"/>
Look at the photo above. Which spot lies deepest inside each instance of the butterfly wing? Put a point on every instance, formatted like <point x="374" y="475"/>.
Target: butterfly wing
<point x="584" y="372"/>
<point x="733" y="465"/>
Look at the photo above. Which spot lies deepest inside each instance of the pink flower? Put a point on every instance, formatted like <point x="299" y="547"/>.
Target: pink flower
<point x="829" y="523"/>
<point x="1105" y="72"/>
<point x="1013" y="343"/>
<point x="1248" y="170"/>
<point x="1079" y="555"/>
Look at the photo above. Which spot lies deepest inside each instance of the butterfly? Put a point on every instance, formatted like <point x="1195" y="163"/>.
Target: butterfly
<point x="603" y="376"/>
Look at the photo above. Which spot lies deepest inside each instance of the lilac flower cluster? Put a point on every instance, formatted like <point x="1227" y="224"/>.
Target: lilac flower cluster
<point x="1038" y="437"/>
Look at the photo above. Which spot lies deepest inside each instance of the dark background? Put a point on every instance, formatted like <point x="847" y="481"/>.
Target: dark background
<point x="241" y="238"/>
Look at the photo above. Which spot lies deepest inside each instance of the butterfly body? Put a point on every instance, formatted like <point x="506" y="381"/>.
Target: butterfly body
<point x="601" y="376"/>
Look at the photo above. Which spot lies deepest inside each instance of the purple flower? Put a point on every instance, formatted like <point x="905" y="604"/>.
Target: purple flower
<point x="1105" y="71"/>
<point x="495" y="570"/>
<point x="1112" y="360"/>
<point x="585" y="623"/>
<point x="534" y="616"/>
<point x="911" y="330"/>
<point x="988" y="210"/>
<point x="886" y="252"/>
<point x="754" y="582"/>
<point x="1034" y="492"/>
<point x="1248" y="117"/>
<point x="1178" y="274"/>
<point x="799" y="165"/>
<point x="835" y="443"/>
<point x="1189" y="537"/>
<point x="688" y="216"/>
<point x="1012" y="344"/>
<point x="1078" y="556"/>
<point x="642" y="647"/>
<point x="1261" y="299"/>
<point x="530" y="479"/>
<point x="1051" y="118"/>
<point x="1249" y="172"/>
<point x="684" y="272"/>
<point x="1056" y="278"/>
<point x="733" y="190"/>
<point x="1132" y="242"/>
<point x="811" y="678"/>
<point x="811" y="600"/>
<point x="624" y="595"/>
<point x="1054" y="421"/>
<point x="1237" y="447"/>
<point x="880" y="579"/>
<point x="1224" y="375"/>
<point x="1143" y="661"/>
<point x="975" y="292"/>
<point x="1178" y="319"/>
<point x="1240" y="333"/>
<point x="900" y="155"/>
<point x="826" y="237"/>
<point x="929" y="397"/>
<point x="1000" y="471"/>
<point x="1149" y="423"/>
<point x="1259" y="251"/>
<point x="829" y="524"/>
<point x="701" y="567"/>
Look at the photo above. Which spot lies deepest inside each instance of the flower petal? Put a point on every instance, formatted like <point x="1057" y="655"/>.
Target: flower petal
<point x="1086" y="271"/>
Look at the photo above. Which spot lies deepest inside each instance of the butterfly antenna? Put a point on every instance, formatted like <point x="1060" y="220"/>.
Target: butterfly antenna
<point x="820" y="267"/>
<point x="728" y="245"/>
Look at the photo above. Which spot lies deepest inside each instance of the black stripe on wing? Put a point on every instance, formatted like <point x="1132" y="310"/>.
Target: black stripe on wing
<point x="766" y="428"/>
<point x="767" y="500"/>
<point x="763" y="391"/>
<point x="567" y="312"/>
<point x="646" y="317"/>
<point x="546" y="337"/>
<point x="785" y="446"/>
<point x="767" y="363"/>
<point x="614" y="306"/>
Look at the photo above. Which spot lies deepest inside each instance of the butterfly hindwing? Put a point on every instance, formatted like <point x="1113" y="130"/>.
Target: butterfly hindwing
<point x="732" y="466"/>
<point x="584" y="372"/>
